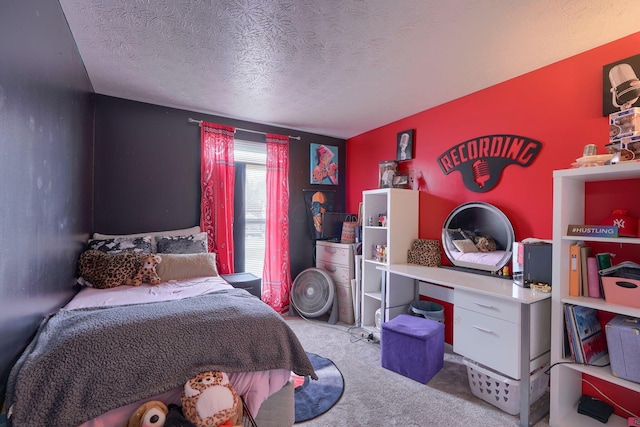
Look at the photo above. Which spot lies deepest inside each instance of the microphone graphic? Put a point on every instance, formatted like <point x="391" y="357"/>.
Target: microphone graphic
<point x="625" y="86"/>
<point x="480" y="172"/>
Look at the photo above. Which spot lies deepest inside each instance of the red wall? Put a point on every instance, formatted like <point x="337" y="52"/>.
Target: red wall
<point x="559" y="105"/>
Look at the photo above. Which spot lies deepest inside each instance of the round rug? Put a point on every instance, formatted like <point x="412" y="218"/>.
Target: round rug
<point x="315" y="397"/>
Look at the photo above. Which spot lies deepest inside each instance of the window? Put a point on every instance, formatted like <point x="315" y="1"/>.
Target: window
<point x="250" y="206"/>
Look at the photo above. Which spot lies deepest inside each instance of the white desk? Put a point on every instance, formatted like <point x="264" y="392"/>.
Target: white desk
<point x="491" y="291"/>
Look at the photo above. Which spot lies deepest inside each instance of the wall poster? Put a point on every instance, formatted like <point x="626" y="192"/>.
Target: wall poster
<point x="323" y="164"/>
<point x="317" y="203"/>
<point x="620" y="85"/>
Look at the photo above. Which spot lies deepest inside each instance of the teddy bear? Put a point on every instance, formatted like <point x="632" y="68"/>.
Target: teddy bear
<point x="148" y="269"/>
<point x="150" y="414"/>
<point x="209" y="400"/>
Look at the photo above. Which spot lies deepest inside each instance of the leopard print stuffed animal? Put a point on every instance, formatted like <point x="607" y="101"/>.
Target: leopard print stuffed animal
<point x="209" y="400"/>
<point x="103" y="271"/>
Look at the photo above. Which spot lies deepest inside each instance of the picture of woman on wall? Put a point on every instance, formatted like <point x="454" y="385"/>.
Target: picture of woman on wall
<point x="324" y="163"/>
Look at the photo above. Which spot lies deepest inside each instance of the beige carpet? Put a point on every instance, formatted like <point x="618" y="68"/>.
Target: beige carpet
<point x="375" y="396"/>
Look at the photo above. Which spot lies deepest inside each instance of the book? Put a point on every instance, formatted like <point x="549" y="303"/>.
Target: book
<point x="574" y="270"/>
<point x="591" y="340"/>
<point x="570" y="326"/>
<point x="604" y="261"/>
<point x="585" y="251"/>
<point x="593" y="278"/>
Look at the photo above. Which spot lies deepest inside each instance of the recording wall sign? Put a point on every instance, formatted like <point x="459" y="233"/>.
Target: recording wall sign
<point x="481" y="160"/>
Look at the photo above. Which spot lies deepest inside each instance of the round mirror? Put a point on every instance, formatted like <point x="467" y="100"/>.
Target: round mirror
<point x="479" y="236"/>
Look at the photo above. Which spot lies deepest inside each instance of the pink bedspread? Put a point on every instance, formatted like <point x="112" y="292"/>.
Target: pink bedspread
<point x="254" y="387"/>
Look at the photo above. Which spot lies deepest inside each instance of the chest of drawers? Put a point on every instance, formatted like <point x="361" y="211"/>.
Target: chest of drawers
<point x="337" y="260"/>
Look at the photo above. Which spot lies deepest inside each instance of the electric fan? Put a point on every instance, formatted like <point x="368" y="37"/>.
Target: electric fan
<point x="313" y="294"/>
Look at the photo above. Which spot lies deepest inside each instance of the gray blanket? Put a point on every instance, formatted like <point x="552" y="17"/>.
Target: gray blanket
<point x="85" y="362"/>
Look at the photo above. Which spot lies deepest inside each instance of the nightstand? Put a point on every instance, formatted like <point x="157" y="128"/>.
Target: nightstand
<point x="246" y="281"/>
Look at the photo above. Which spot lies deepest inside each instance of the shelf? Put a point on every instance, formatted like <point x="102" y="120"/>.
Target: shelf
<point x="603" y="373"/>
<point x="601" y="304"/>
<point x="620" y="171"/>
<point x="570" y="199"/>
<point x="631" y="240"/>
<point x="401" y="208"/>
<point x="374" y="295"/>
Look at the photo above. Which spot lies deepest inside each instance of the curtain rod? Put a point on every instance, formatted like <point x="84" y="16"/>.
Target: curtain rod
<point x="244" y="130"/>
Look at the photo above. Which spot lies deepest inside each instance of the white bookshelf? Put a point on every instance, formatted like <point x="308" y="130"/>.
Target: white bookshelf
<point x="401" y="208"/>
<point x="569" y="208"/>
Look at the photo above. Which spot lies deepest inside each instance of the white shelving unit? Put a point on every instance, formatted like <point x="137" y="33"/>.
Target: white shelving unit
<point x="401" y="208"/>
<point x="569" y="208"/>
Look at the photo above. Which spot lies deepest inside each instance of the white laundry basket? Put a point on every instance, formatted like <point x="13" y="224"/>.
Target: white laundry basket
<point x="501" y="391"/>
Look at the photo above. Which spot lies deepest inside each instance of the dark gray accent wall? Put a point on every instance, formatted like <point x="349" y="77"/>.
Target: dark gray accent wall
<point x="147" y="171"/>
<point x="46" y="155"/>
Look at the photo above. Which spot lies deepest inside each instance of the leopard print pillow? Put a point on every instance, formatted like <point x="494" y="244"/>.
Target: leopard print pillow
<point x="102" y="270"/>
<point x="425" y="252"/>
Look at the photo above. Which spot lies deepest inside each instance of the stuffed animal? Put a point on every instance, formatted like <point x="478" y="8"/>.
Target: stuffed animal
<point x="103" y="270"/>
<point x="485" y="243"/>
<point x="148" y="269"/>
<point x="209" y="400"/>
<point x="149" y="414"/>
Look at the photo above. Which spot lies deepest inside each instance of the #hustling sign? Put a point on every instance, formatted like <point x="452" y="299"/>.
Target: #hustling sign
<point x="481" y="160"/>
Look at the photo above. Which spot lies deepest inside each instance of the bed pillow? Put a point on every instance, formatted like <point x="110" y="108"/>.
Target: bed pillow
<point x="191" y="244"/>
<point x="186" y="266"/>
<point x="177" y="232"/>
<point x="122" y="244"/>
<point x="465" y="246"/>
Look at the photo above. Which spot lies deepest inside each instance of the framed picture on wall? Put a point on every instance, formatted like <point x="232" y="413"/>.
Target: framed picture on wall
<point x="323" y="164"/>
<point x="404" y="145"/>
<point x="386" y="172"/>
<point x="620" y="85"/>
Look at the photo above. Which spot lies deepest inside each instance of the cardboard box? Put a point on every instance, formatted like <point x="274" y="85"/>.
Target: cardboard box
<point x="624" y="123"/>
<point x="623" y="342"/>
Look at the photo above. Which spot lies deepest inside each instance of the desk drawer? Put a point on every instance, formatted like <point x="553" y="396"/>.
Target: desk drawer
<point x="334" y="253"/>
<point x="340" y="274"/>
<point x="487" y="340"/>
<point x="486" y="304"/>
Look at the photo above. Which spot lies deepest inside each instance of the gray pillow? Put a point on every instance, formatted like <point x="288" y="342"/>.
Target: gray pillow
<point x="191" y="244"/>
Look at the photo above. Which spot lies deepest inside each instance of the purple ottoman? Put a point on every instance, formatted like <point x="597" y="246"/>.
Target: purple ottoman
<point x="413" y="346"/>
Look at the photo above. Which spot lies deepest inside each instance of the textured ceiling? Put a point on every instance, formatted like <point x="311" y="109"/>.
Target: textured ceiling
<point x="332" y="67"/>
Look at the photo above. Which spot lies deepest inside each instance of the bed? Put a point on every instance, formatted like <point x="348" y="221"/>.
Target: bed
<point x="107" y="351"/>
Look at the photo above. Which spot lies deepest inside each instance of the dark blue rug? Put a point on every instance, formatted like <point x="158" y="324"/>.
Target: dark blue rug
<point x="314" y="398"/>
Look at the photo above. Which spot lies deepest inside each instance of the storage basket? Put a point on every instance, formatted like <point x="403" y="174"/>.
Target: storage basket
<point x="501" y="391"/>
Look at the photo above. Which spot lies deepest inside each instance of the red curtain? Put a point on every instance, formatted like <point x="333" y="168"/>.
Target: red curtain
<point x="217" y="176"/>
<point x="276" y="278"/>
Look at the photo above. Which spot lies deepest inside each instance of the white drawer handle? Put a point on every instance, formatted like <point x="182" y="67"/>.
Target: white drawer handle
<point x="330" y="268"/>
<point x="489" y="331"/>
<point x="332" y="250"/>
<point x="484" y="305"/>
